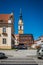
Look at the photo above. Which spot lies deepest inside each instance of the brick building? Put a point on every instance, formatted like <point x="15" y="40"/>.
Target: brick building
<point x="26" y="39"/>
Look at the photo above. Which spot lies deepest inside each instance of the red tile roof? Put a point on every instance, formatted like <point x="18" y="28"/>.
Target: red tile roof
<point x="4" y="18"/>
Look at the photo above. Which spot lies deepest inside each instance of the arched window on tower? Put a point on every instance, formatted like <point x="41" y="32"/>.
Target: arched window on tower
<point x="20" y="27"/>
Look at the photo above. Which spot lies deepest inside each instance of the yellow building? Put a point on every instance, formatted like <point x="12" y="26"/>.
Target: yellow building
<point x="6" y="31"/>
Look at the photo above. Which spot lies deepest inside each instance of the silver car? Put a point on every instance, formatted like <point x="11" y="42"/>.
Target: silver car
<point x="40" y="53"/>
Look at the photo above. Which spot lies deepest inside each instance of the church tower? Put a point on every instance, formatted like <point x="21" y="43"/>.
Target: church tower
<point x="20" y="24"/>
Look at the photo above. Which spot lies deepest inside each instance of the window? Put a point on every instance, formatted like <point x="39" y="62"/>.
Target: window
<point x="20" y="27"/>
<point x="0" y="35"/>
<point x="41" y="41"/>
<point x="1" y="21"/>
<point x="4" y="29"/>
<point x="4" y="41"/>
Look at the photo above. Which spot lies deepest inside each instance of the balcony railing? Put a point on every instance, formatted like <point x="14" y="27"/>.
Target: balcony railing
<point x="5" y="34"/>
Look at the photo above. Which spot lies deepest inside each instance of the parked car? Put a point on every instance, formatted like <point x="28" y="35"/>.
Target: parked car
<point x="40" y="53"/>
<point x="16" y="47"/>
<point x="22" y="46"/>
<point x="2" y="55"/>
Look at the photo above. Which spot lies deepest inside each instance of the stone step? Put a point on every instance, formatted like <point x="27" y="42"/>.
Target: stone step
<point x="17" y="62"/>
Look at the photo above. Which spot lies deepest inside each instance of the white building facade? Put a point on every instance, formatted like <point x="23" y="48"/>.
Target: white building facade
<point x="6" y="31"/>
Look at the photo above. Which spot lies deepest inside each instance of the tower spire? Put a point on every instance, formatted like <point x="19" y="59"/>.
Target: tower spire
<point x="20" y="13"/>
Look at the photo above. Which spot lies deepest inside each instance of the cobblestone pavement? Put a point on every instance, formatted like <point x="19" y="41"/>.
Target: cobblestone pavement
<point x="21" y="56"/>
<point x="19" y="53"/>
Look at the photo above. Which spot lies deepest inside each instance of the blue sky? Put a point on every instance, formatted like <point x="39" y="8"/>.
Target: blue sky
<point x="32" y="12"/>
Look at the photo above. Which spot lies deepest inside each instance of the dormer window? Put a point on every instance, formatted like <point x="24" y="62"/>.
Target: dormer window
<point x="9" y="21"/>
<point x="4" y="29"/>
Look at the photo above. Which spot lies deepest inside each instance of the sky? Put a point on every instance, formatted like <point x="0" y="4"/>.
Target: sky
<point x="32" y="14"/>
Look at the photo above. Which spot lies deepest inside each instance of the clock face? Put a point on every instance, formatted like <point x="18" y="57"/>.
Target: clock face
<point x="9" y="21"/>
